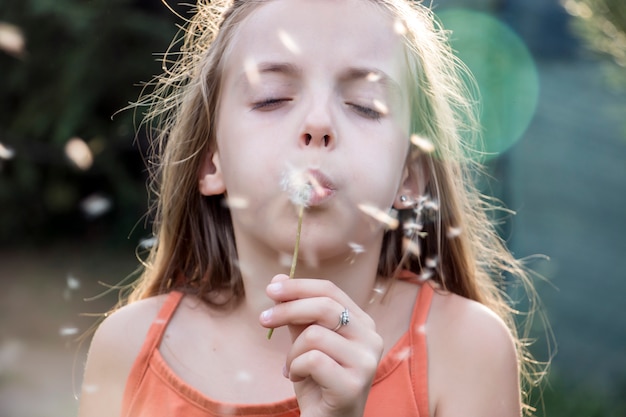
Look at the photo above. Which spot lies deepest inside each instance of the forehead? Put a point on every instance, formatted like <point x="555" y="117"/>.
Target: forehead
<point x="318" y="34"/>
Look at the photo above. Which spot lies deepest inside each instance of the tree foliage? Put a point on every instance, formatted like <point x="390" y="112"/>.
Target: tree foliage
<point x="82" y="61"/>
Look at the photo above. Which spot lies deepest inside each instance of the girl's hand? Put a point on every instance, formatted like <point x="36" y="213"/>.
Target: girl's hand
<point x="332" y="371"/>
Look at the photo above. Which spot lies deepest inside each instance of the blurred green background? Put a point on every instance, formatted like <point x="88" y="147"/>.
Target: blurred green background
<point x="72" y="180"/>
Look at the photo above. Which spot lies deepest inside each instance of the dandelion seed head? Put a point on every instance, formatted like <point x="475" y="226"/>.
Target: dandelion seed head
<point x="425" y="145"/>
<point x="298" y="186"/>
<point x="5" y="152"/>
<point x="95" y="205"/>
<point x="79" y="153"/>
<point x="288" y="42"/>
<point x="389" y="219"/>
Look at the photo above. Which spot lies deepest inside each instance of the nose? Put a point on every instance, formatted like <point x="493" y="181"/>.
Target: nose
<point x="317" y="130"/>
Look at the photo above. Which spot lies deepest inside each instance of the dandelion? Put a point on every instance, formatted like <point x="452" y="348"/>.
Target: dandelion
<point x="300" y="189"/>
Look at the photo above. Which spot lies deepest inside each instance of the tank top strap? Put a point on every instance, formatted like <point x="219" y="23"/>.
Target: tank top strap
<point x="419" y="361"/>
<point x="151" y="343"/>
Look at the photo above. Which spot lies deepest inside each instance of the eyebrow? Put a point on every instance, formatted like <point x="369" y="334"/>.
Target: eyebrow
<point x="350" y="74"/>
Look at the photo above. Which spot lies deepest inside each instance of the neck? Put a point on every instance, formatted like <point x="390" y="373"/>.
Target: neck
<point x="354" y="273"/>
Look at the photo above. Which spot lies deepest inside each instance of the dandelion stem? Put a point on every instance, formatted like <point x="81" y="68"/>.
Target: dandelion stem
<point x="294" y="259"/>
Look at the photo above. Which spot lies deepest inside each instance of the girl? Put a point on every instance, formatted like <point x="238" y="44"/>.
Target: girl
<point x="336" y="127"/>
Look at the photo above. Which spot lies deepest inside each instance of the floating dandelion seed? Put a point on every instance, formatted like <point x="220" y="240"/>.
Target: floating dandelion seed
<point x="79" y="153"/>
<point x="284" y="259"/>
<point x="73" y="283"/>
<point x="148" y="242"/>
<point x="425" y="145"/>
<point x="288" y="42"/>
<point x="356" y="248"/>
<point x="373" y="77"/>
<point x="12" y="39"/>
<point x="453" y="232"/>
<point x="380" y="106"/>
<point x="68" y="331"/>
<point x="389" y="220"/>
<point x="426" y="274"/>
<point x="95" y="205"/>
<point x="411" y="246"/>
<point x="91" y="388"/>
<point x="399" y="27"/>
<point x="5" y="152"/>
<point x="404" y="353"/>
<point x="431" y="262"/>
<point x="244" y="376"/>
<point x="252" y="71"/>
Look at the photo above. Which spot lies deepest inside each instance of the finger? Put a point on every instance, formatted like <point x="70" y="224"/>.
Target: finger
<point x="322" y="311"/>
<point x="362" y="356"/>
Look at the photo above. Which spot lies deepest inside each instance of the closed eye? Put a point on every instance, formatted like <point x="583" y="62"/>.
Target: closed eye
<point x="270" y="103"/>
<point x="366" y="112"/>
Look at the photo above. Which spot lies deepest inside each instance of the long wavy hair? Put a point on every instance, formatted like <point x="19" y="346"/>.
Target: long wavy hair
<point x="447" y="236"/>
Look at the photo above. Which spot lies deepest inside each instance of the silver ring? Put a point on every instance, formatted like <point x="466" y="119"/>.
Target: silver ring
<point x="344" y="319"/>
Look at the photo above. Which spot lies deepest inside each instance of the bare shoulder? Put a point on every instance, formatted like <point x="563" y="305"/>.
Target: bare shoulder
<point x="113" y="350"/>
<point x="473" y="364"/>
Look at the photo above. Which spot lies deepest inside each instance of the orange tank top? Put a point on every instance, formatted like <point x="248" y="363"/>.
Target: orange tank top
<point x="399" y="389"/>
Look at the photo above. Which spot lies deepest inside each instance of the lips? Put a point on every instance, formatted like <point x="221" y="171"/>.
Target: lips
<point x="322" y="187"/>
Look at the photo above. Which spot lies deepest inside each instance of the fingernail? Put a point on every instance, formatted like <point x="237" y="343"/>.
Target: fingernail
<point x="266" y="315"/>
<point x="274" y="287"/>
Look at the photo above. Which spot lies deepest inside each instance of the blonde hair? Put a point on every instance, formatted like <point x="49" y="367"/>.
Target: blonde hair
<point x="451" y="239"/>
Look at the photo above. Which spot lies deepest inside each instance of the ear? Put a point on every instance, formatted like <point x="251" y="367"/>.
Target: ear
<point x="210" y="180"/>
<point x="415" y="178"/>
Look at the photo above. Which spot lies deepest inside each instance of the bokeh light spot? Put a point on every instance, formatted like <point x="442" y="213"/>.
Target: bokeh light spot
<point x="504" y="70"/>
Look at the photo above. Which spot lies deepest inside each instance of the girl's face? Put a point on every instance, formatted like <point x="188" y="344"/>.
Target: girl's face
<point x="312" y="88"/>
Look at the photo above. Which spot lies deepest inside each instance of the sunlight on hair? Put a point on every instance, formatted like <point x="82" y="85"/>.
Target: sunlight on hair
<point x="12" y="39"/>
<point x="95" y="205"/>
<point x="288" y="42"/>
<point x="252" y="71"/>
<point x="6" y="152"/>
<point x="390" y="220"/>
<point x="423" y="144"/>
<point x="79" y="153"/>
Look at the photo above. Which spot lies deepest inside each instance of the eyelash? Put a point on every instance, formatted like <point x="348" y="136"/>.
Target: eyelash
<point x="366" y="111"/>
<point x="269" y="104"/>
